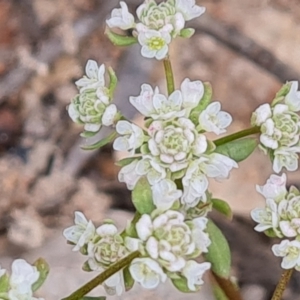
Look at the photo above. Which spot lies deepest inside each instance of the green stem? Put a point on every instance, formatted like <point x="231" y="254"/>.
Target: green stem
<point x="169" y="75"/>
<point x="282" y="284"/>
<point x="237" y="135"/>
<point x="114" y="268"/>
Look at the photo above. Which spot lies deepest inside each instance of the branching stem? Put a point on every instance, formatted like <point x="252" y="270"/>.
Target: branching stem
<point x="169" y="75"/>
<point x="282" y="284"/>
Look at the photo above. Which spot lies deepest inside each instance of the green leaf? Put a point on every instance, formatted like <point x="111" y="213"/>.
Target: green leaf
<point x="218" y="252"/>
<point x="204" y="102"/>
<point x="181" y="285"/>
<point x="223" y="207"/>
<point x="128" y="280"/>
<point x="142" y="197"/>
<point x="4" y="283"/>
<point x="126" y="161"/>
<point x="120" y="40"/>
<point x="93" y="298"/>
<point x="238" y="150"/>
<point x="187" y="32"/>
<point x="43" y="267"/>
<point x="87" y="134"/>
<point x="101" y="143"/>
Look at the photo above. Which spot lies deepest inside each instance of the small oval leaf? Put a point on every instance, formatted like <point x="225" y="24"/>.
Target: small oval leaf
<point x="218" y="252"/>
<point x="43" y="267"/>
<point x="142" y="197"/>
<point x="4" y="283"/>
<point x="223" y="207"/>
<point x="238" y="150"/>
<point x="187" y="32"/>
<point x="101" y="143"/>
<point x="120" y="40"/>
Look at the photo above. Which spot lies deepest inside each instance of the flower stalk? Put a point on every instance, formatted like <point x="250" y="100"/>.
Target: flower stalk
<point x="169" y="76"/>
<point x="237" y="135"/>
<point x="114" y="268"/>
<point x="282" y="284"/>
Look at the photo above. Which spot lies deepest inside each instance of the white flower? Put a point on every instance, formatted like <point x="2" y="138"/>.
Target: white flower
<point x="195" y="184"/>
<point x="133" y="136"/>
<point x="189" y="9"/>
<point x="170" y="240"/>
<point x="151" y="168"/>
<point x="121" y="18"/>
<point x="154" y="43"/>
<point x="214" y="120"/>
<point x="267" y="217"/>
<point x="174" y="144"/>
<point x="144" y="102"/>
<point x="107" y="248"/>
<point x="147" y="272"/>
<point x="109" y="115"/>
<point x="193" y="272"/>
<point x="261" y="114"/>
<point x="275" y="187"/>
<point x="165" y="193"/>
<point x="290" y="251"/>
<point x="114" y="284"/>
<point x="21" y="280"/>
<point x="129" y="175"/>
<point x="286" y="157"/>
<point x="292" y="99"/>
<point x="94" y="76"/>
<point x="201" y="238"/>
<point x="192" y="93"/>
<point x="218" y="166"/>
<point x="81" y="233"/>
<point x="91" y="106"/>
<point x="168" y="108"/>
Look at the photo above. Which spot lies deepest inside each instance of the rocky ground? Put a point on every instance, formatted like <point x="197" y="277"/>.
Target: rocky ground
<point x="45" y="177"/>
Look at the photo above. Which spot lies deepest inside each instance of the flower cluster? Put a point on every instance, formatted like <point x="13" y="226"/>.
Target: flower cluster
<point x="20" y="284"/>
<point x="173" y="145"/>
<point x="103" y="246"/>
<point x="281" y="218"/>
<point x="280" y="127"/>
<point x="157" y="24"/>
<point x="92" y="106"/>
<point x="169" y="243"/>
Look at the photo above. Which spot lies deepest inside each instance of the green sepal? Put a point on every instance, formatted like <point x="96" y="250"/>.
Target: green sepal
<point x="204" y="102"/>
<point x="130" y="228"/>
<point x="187" y="32"/>
<point x="238" y="150"/>
<point x="147" y="122"/>
<point x="86" y="267"/>
<point x="4" y="296"/>
<point x="43" y="268"/>
<point x="270" y="233"/>
<point x="113" y="81"/>
<point x="4" y="283"/>
<point x="128" y="280"/>
<point x="210" y="147"/>
<point x="178" y="174"/>
<point x="223" y="207"/>
<point x="120" y="40"/>
<point x="93" y="298"/>
<point x="182" y="286"/>
<point x="87" y="134"/>
<point x="218" y="252"/>
<point x="142" y="197"/>
<point x="284" y="90"/>
<point x="145" y="149"/>
<point x="101" y="143"/>
<point x="126" y="161"/>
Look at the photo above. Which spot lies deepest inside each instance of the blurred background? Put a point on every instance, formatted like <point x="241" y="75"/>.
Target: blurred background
<point x="247" y="49"/>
